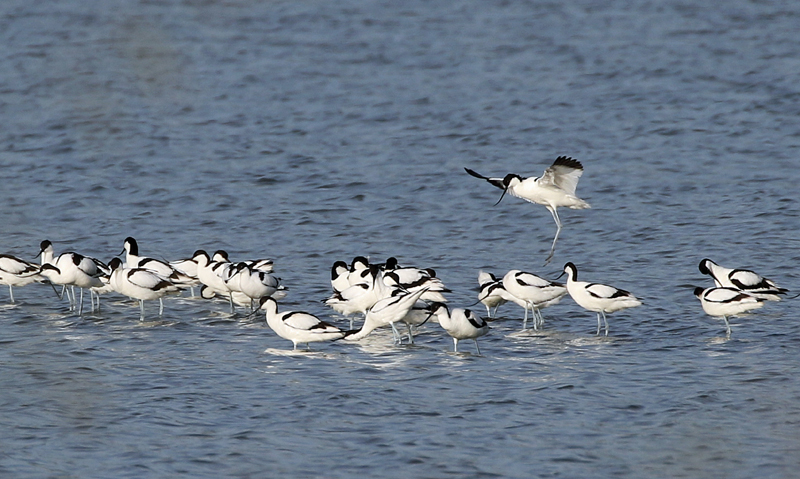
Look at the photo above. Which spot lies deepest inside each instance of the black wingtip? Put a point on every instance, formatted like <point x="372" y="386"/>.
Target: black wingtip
<point x="569" y="162"/>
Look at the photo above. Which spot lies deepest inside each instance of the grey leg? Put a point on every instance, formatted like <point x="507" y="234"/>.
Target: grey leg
<point x="558" y="231"/>
<point x="74" y="298"/>
<point x="71" y="297"/>
<point x="525" y="321"/>
<point x="395" y="334"/>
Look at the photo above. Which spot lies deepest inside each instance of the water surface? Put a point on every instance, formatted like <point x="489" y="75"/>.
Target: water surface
<point x="317" y="131"/>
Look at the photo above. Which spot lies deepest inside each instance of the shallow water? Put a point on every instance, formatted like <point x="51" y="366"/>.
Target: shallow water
<point x="316" y="131"/>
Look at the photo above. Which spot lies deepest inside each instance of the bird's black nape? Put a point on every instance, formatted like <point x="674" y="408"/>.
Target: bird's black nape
<point x="704" y="268"/>
<point x="570" y="266"/>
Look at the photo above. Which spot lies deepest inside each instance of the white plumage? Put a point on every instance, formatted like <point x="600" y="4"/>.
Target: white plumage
<point x="361" y="296"/>
<point x="339" y="274"/>
<point x="139" y="283"/>
<point x="17" y="272"/>
<point x="213" y="274"/>
<point x="412" y="279"/>
<point x="491" y="292"/>
<point x="418" y="315"/>
<point x="556" y="187"/>
<point x="744" y="280"/>
<point x="386" y="312"/>
<point x="161" y="268"/>
<point x="724" y="302"/>
<point x="73" y="270"/>
<point x="534" y="291"/>
<point x="298" y="326"/>
<point x="460" y="324"/>
<point x="596" y="297"/>
<point x="359" y="271"/>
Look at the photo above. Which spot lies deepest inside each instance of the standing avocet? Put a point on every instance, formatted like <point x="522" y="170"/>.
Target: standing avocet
<point x="213" y="274"/>
<point x="359" y="270"/>
<point x="411" y="279"/>
<point x="460" y="324"/>
<point x="726" y="302"/>
<point x="339" y="273"/>
<point x="298" y="326"/>
<point x="254" y="283"/>
<point x="188" y="268"/>
<point x="596" y="297"/>
<point x="72" y="269"/>
<point x="360" y="297"/>
<point x="17" y="272"/>
<point x="742" y="279"/>
<point x="161" y="268"/>
<point x="536" y="292"/>
<point x="386" y="312"/>
<point x="556" y="187"/>
<point x="140" y="284"/>
<point x="418" y="315"/>
<point x="491" y="292"/>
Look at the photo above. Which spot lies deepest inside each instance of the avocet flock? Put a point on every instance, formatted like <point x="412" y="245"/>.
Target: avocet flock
<point x="384" y="294"/>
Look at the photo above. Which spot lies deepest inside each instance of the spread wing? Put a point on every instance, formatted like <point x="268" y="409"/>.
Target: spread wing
<point x="564" y="173"/>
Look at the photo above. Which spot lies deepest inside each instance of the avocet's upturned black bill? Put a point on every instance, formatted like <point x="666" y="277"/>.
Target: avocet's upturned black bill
<point x="556" y="187"/>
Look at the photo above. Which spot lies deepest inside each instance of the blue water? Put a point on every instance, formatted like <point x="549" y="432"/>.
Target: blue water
<point x="316" y="131"/>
